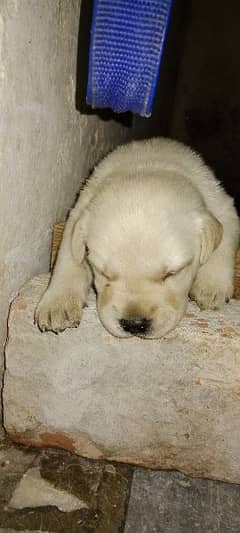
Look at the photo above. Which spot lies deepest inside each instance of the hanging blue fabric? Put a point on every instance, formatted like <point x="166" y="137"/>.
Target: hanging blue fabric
<point x="127" y="40"/>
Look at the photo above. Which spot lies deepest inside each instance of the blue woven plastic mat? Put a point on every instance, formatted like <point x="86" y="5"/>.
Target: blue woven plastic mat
<point x="127" y="40"/>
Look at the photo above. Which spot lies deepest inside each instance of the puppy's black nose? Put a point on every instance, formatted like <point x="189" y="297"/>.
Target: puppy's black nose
<point x="135" y="325"/>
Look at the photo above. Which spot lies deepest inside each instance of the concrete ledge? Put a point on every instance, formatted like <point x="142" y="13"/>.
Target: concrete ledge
<point x="171" y="404"/>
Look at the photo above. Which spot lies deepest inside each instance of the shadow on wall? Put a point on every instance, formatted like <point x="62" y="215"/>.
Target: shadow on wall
<point x="207" y="104"/>
<point x="215" y="132"/>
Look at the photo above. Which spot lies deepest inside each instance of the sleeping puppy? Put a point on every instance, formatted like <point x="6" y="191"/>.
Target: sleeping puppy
<point x="151" y="227"/>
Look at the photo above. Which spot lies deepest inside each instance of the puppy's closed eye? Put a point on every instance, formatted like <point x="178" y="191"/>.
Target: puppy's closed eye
<point x="161" y="277"/>
<point x="107" y="275"/>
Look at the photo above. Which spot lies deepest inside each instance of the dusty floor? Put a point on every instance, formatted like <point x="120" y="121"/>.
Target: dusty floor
<point x="111" y="498"/>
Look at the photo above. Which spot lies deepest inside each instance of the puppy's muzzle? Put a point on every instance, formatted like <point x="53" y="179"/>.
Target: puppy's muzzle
<point x="135" y="325"/>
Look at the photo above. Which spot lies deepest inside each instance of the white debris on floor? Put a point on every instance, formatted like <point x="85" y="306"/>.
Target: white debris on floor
<point x="34" y="491"/>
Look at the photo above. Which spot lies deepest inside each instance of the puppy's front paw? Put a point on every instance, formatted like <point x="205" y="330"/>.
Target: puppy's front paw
<point x="57" y="311"/>
<point x="211" y="293"/>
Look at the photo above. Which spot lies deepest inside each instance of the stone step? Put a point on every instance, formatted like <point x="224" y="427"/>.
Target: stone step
<point x="170" y="404"/>
<point x="168" y="502"/>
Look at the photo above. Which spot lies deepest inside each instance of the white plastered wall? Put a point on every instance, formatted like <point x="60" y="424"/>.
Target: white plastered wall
<point x="46" y="146"/>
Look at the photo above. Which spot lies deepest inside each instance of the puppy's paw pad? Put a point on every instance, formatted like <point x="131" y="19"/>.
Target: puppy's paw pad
<point x="56" y="312"/>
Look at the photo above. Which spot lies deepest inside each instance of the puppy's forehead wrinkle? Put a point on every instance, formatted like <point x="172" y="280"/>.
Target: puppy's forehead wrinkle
<point x="143" y="253"/>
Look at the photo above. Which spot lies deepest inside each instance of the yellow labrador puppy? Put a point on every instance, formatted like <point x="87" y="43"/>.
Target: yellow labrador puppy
<point x="151" y="227"/>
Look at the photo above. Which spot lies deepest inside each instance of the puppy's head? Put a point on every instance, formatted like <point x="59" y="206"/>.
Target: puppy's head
<point x="145" y="248"/>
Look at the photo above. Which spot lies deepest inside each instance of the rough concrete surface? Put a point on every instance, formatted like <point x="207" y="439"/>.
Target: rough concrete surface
<point x="47" y="148"/>
<point x="168" y="502"/>
<point x="103" y="487"/>
<point x="172" y="403"/>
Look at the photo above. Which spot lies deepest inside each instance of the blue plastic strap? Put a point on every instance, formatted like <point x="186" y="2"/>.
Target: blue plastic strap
<point x="126" y="47"/>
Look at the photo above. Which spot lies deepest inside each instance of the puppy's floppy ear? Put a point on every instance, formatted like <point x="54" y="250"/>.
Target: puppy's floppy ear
<point x="211" y="235"/>
<point x="79" y="235"/>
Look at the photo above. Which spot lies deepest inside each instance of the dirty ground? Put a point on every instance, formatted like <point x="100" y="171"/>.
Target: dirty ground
<point x="54" y="491"/>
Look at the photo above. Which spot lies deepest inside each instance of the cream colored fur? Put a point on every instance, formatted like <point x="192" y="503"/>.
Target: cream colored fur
<point x="151" y="227"/>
